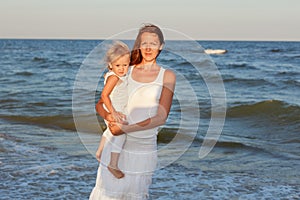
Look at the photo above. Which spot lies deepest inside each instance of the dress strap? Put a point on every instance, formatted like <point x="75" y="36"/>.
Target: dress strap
<point x="160" y="76"/>
<point x="130" y="69"/>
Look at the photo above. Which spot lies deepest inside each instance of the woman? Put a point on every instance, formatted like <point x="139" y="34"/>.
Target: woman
<point x="150" y="93"/>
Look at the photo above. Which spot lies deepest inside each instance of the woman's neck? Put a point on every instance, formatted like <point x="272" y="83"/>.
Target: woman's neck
<point x="147" y="66"/>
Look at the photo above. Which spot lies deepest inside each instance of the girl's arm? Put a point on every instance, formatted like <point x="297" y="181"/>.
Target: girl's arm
<point x="102" y="112"/>
<point x="111" y="82"/>
<point x="160" y="118"/>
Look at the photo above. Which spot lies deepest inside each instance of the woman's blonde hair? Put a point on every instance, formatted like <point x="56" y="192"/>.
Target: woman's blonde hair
<point x="116" y="51"/>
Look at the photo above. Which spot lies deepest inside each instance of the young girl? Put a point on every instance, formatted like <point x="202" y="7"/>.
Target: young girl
<point x="114" y="95"/>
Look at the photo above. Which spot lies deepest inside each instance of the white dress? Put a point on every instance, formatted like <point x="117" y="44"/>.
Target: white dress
<point x="119" y="99"/>
<point x="139" y="155"/>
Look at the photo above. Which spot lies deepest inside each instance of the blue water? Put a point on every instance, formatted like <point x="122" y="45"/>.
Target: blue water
<point x="256" y="157"/>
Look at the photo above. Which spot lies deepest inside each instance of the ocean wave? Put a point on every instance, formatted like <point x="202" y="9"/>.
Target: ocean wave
<point x="25" y="73"/>
<point x="241" y="65"/>
<point x="183" y="63"/>
<point x="292" y="82"/>
<point x="245" y="81"/>
<point x="239" y="145"/>
<point x="65" y="122"/>
<point x="267" y="109"/>
<point x="39" y="59"/>
<point x="276" y="50"/>
<point x="296" y="141"/>
<point x="288" y="73"/>
<point x="65" y="64"/>
<point x="4" y="136"/>
<point x="166" y="135"/>
<point x="227" y="144"/>
<point x="2" y="101"/>
<point x="297" y="56"/>
<point x="56" y="121"/>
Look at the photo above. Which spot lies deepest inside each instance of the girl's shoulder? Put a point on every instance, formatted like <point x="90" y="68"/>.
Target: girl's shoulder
<point x="109" y="73"/>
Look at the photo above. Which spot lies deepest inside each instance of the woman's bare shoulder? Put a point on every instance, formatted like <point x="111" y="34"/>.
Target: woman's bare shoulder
<point x="169" y="75"/>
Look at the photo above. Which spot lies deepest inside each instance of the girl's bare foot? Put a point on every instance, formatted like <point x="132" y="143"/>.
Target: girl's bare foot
<point x="116" y="172"/>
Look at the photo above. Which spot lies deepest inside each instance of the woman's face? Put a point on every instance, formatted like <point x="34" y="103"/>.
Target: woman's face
<point x="150" y="46"/>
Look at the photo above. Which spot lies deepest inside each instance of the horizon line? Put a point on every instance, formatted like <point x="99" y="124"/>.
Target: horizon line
<point x="231" y="40"/>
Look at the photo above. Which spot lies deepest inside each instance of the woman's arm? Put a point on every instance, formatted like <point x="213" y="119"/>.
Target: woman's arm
<point x="160" y="118"/>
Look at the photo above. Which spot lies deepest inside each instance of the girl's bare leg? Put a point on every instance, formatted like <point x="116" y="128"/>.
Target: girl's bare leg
<point x="100" y="148"/>
<point x="113" y="165"/>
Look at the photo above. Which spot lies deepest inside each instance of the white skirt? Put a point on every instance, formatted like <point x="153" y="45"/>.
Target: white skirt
<point x="137" y="161"/>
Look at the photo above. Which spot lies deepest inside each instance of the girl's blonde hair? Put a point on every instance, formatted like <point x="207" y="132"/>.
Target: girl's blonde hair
<point x="116" y="51"/>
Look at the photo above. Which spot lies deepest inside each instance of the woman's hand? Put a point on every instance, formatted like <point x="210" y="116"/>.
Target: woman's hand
<point x="110" y="118"/>
<point x="116" y="128"/>
<point x="119" y="117"/>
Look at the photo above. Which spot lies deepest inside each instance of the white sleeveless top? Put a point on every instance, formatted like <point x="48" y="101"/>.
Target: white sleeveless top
<point x="143" y="102"/>
<point x="119" y="94"/>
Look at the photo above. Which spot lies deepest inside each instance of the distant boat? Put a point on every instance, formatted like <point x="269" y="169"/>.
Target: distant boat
<point x="215" y="51"/>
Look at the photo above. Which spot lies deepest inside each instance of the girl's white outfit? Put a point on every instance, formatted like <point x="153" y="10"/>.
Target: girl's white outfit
<point x="119" y="99"/>
<point x="138" y="157"/>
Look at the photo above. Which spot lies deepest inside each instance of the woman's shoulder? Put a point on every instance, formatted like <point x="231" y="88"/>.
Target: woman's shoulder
<point x="169" y="77"/>
<point x="169" y="74"/>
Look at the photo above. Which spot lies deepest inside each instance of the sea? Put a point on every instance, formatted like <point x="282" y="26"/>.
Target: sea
<point x="233" y="131"/>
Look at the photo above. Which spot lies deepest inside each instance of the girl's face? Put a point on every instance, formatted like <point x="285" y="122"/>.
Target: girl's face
<point x="120" y="66"/>
<point x="150" y="46"/>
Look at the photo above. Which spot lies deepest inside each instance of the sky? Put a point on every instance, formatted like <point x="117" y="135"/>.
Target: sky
<point x="268" y="20"/>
